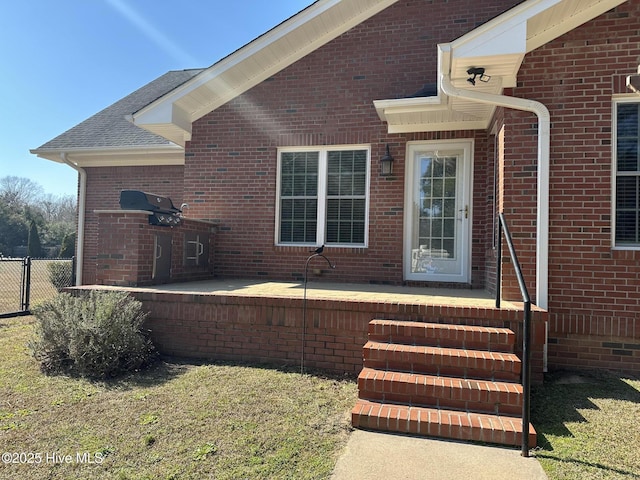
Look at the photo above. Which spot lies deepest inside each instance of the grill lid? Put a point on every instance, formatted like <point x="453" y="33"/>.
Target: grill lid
<point x="161" y="209"/>
<point x="137" y="200"/>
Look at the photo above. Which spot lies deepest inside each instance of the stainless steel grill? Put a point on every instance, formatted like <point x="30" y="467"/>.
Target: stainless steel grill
<point x="161" y="209"/>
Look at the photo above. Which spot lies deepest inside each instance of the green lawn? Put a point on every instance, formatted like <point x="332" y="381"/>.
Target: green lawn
<point x="187" y="421"/>
<point x="176" y="421"/>
<point x="588" y="426"/>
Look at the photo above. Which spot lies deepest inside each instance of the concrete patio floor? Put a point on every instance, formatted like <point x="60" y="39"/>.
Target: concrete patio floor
<point x="337" y="291"/>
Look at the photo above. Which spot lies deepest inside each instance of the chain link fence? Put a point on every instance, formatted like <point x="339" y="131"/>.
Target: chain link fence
<point x="26" y="282"/>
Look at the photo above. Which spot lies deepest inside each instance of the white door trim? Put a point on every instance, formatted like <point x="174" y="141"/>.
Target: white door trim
<point x="466" y="146"/>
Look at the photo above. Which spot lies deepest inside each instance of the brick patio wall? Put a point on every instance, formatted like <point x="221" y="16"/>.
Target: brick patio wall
<point x="269" y="330"/>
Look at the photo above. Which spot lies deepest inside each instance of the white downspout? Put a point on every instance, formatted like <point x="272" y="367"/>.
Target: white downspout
<point x="544" y="136"/>
<point x="82" y="196"/>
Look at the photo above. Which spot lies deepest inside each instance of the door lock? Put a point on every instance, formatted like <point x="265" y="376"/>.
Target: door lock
<point x="465" y="210"/>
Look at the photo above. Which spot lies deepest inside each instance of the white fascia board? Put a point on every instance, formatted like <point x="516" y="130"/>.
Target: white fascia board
<point x="121" y="156"/>
<point x="407" y="105"/>
<point x="438" y="127"/>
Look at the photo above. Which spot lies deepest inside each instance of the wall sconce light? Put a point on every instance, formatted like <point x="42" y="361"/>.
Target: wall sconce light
<point x="633" y="82"/>
<point x="386" y="164"/>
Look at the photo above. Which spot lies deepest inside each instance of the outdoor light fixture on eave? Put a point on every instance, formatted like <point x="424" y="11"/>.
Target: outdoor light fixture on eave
<point x="477" y="72"/>
<point x="386" y="164"/>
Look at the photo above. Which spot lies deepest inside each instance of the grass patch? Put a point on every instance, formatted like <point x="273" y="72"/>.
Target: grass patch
<point x="174" y="421"/>
<point x="588" y="426"/>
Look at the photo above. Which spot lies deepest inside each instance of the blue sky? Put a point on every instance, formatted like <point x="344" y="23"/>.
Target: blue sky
<point x="64" y="60"/>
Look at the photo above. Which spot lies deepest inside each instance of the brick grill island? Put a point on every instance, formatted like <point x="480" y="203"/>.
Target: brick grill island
<point x="132" y="251"/>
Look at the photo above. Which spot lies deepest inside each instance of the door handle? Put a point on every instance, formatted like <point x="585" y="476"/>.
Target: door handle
<point x="465" y="210"/>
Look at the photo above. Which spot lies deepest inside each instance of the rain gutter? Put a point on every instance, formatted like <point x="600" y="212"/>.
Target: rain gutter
<point x="544" y="136"/>
<point x="82" y="197"/>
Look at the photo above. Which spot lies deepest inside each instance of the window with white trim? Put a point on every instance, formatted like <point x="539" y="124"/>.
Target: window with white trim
<point x="323" y="196"/>
<point x="627" y="174"/>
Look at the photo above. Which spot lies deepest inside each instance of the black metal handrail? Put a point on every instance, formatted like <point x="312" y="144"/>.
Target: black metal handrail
<point x="526" y="325"/>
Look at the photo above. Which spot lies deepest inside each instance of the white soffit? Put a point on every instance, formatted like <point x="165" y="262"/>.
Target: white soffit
<point x="499" y="46"/>
<point x="171" y="115"/>
<point x="114" y="157"/>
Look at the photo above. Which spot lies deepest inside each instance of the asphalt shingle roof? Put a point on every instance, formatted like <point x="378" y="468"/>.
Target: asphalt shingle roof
<point x="109" y="127"/>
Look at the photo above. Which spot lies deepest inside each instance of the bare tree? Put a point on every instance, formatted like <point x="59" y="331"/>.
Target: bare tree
<point x="19" y="191"/>
<point x="58" y="208"/>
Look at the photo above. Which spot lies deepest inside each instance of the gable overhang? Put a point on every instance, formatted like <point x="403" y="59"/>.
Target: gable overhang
<point x="499" y="46"/>
<point x="114" y="157"/>
<point x="172" y="115"/>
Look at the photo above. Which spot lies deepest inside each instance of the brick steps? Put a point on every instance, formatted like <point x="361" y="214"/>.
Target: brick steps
<point x="434" y="422"/>
<point x="451" y="381"/>
<point x="445" y="392"/>
<point x="442" y="335"/>
<point x="451" y="362"/>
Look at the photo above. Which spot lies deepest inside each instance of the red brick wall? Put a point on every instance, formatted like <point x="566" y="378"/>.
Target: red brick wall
<point x="245" y="328"/>
<point x="594" y="291"/>
<point x="327" y="99"/>
<point x="104" y="185"/>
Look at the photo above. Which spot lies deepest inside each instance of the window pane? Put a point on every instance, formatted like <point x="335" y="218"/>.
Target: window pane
<point x="333" y="184"/>
<point x="627" y="193"/>
<point x="450" y="188"/>
<point x="627" y="227"/>
<point x="424" y="228"/>
<point x="346" y="196"/>
<point x="450" y="207"/>
<point x="285" y="231"/>
<point x="286" y="209"/>
<point x="298" y="192"/>
<point x="359" y="208"/>
<point x="436" y="207"/>
<point x="438" y="168"/>
<point x="450" y="167"/>
<point x="628" y="174"/>
<point x="358" y="232"/>
<point x="449" y="228"/>
<point x="627" y="120"/>
<point x="346" y="172"/>
<point x="437" y="229"/>
<point x="345" y="221"/>
<point x="298" y="221"/>
<point x="438" y="187"/>
<point x="627" y="155"/>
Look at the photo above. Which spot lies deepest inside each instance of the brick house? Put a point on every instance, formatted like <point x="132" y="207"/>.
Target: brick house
<point x="485" y="107"/>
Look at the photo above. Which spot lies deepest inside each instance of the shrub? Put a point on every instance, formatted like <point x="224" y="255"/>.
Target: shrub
<point x="60" y="274"/>
<point x="98" y="335"/>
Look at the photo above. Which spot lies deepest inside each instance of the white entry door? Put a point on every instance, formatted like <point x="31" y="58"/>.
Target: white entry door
<point x="438" y="211"/>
